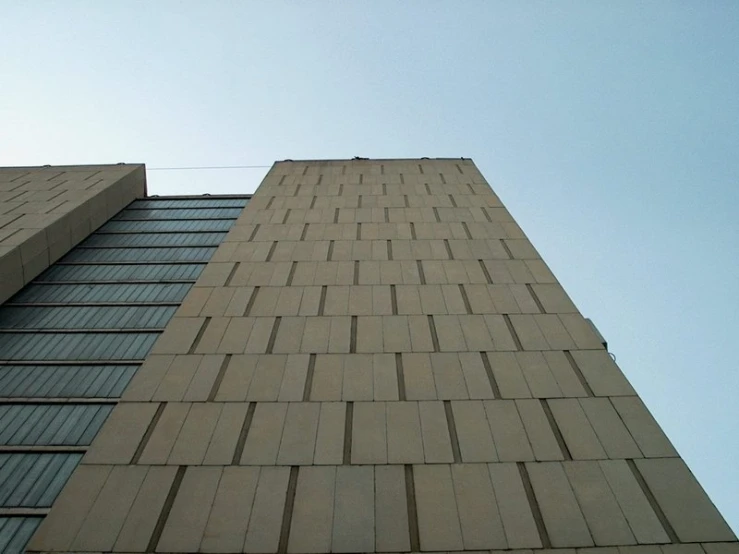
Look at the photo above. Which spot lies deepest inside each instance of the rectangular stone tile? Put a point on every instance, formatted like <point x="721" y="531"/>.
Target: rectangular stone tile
<point x="179" y="335"/>
<point x="141" y="519"/>
<point x="529" y="332"/>
<point x="385" y="381"/>
<point x="540" y="379"/>
<point x="644" y="429"/>
<point x="552" y="296"/>
<point x="267" y="379"/>
<point x="437" y="446"/>
<point x="330" y="435"/>
<point x="195" y="435"/>
<point x="418" y="376"/>
<point x="502" y="339"/>
<point x="608" y="426"/>
<point x="509" y="435"/>
<point x="391" y="510"/>
<point x="165" y="433"/>
<point x="473" y="432"/>
<point x="420" y="334"/>
<point x="121" y="434"/>
<point x="369" y="433"/>
<point x="316" y="335"/>
<point x="106" y="517"/>
<point x="237" y="379"/>
<point x="449" y="332"/>
<point x="562" y="517"/>
<point x="211" y="338"/>
<point x="293" y="380"/>
<point x="642" y="520"/>
<point x="313" y="510"/>
<point x="683" y="501"/>
<point x="299" y="434"/>
<point x="205" y="376"/>
<point x="265" y="434"/>
<point x="581" y="331"/>
<point x="475" y="376"/>
<point x="515" y="511"/>
<point x="59" y="528"/>
<point x="438" y="518"/>
<point x="358" y="383"/>
<point x="576" y="430"/>
<point x="147" y="378"/>
<point x="354" y="510"/>
<point x="328" y="376"/>
<point x="542" y="439"/>
<point x="176" y="381"/>
<point x="554" y="332"/>
<point x="258" y="338"/>
<point x="448" y="376"/>
<point x="396" y="334"/>
<point x="185" y="525"/>
<point x="339" y="335"/>
<point x="409" y="301"/>
<point x="566" y="378"/>
<point x="226" y="434"/>
<point x="478" y="510"/>
<point x="289" y="335"/>
<point x="475" y="332"/>
<point x="607" y="524"/>
<point x="508" y="375"/>
<point x="369" y="334"/>
<point x="404" y="443"/>
<point x="263" y="534"/>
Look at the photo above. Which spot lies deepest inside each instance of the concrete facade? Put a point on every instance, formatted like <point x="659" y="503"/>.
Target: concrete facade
<point x="376" y="359"/>
<point x="45" y="211"/>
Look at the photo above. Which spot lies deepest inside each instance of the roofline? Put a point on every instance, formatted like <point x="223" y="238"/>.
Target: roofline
<point x="194" y="196"/>
<point x="371" y="160"/>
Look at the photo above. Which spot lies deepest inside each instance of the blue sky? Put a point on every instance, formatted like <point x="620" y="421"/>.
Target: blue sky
<point x="610" y="130"/>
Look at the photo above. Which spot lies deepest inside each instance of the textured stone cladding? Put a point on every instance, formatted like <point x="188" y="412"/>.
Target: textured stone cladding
<point x="378" y="360"/>
<point x="45" y="211"/>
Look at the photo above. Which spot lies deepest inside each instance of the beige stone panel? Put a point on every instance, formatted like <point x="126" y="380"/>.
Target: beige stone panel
<point x="683" y="501"/>
<point x="721" y="548"/>
<point x="59" y="528"/>
<point x="515" y="511"/>
<point x="177" y="379"/>
<point x="305" y="274"/>
<point x="644" y="429"/>
<point x="299" y="435"/>
<point x="147" y="378"/>
<point x="235" y="336"/>
<point x="391" y="510"/>
<point x="396" y="334"/>
<point x="611" y="431"/>
<point x="313" y="510"/>
<point x="141" y="519"/>
<point x="448" y="377"/>
<point x="258" y="339"/>
<point x="328" y="376"/>
<point x="354" y="510"/>
<point x="165" y="433"/>
<point x="217" y="303"/>
<point x="541" y="437"/>
<point x="455" y="271"/>
<point x="340" y="335"/>
<point x="607" y="524"/>
<point x="391" y="273"/>
<point x="581" y="331"/>
<point x="263" y="534"/>
<point x="410" y="272"/>
<point x="509" y="435"/>
<point x="554" y="332"/>
<point x="476" y="334"/>
<point x="438" y="518"/>
<point x="193" y="303"/>
<point x="404" y="443"/>
<point x="435" y="275"/>
<point x="420" y="333"/>
<point x="508" y="375"/>
<point x="359" y="300"/>
<point x="503" y="299"/>
<point x="293" y="380"/>
<point x="369" y="433"/>
<point x="226" y="434"/>
<point x="449" y="332"/>
<point x="540" y="271"/>
<point x="106" y="517"/>
<point x="204" y="378"/>
<point x="576" y="430"/>
<point x="480" y="299"/>
<point x="384" y="373"/>
<point x="566" y="378"/>
<point x="330" y="434"/>
<point x="432" y="299"/>
<point x="562" y="517"/>
<point x="195" y="435"/>
<point x="237" y="379"/>
<point x="473" y="432"/>
<point x="239" y="302"/>
<point x="642" y="520"/>
<point x="337" y="300"/>
<point x="178" y="336"/>
<point x="121" y="434"/>
<point x="529" y="332"/>
<point x="316" y="335"/>
<point x="539" y="378"/>
<point x="478" y="511"/>
<point x="358" y="383"/>
<point x="289" y="335"/>
<point x="522" y="249"/>
<point x="267" y="379"/>
<point x="475" y="274"/>
<point x="225" y="530"/>
<point x="554" y="298"/>
<point x="602" y="373"/>
<point x="498" y="271"/>
<point x="437" y="445"/>
<point x="523" y="298"/>
<point x="263" y="441"/>
<point x="369" y="334"/>
<point x="475" y="376"/>
<point x="502" y="339"/>
<point x="288" y="301"/>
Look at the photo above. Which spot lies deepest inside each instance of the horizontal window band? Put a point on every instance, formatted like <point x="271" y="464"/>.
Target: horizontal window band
<point x="82" y="331"/>
<point x="5" y="400"/>
<point x="71" y="362"/>
<point x="115" y="282"/>
<point x="89" y="304"/>
<point x="41" y="448"/>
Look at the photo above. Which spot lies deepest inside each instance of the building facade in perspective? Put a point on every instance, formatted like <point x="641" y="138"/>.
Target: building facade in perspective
<point x="365" y="356"/>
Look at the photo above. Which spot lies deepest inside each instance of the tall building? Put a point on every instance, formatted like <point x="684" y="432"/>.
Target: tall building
<point x="370" y="357"/>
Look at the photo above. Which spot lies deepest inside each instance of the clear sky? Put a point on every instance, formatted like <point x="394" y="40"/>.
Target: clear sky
<point x="609" y="129"/>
